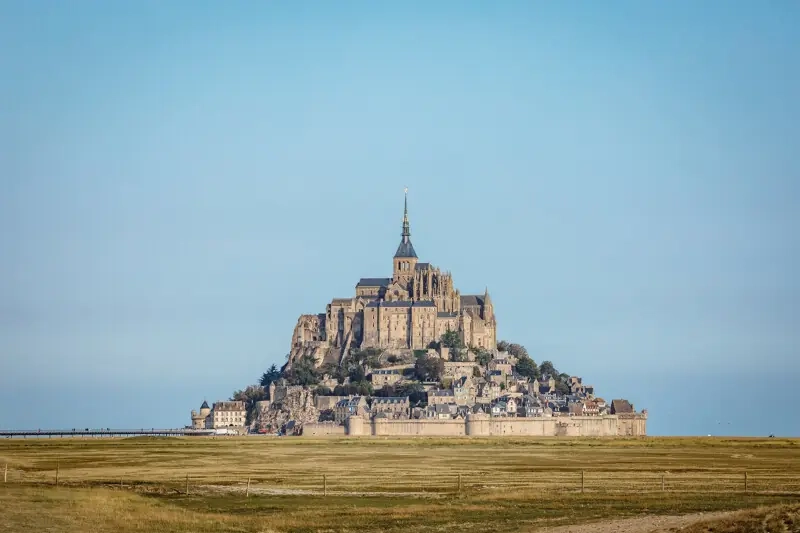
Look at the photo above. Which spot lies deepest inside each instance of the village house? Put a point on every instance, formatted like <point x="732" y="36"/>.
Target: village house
<point x="590" y="408"/>
<point x="351" y="406"/>
<point x="619" y="407"/>
<point x="464" y="391"/>
<point x="383" y="377"/>
<point x="544" y="385"/>
<point x="499" y="408"/>
<point x="228" y="414"/>
<point x="441" y="411"/>
<point x="503" y="365"/>
<point x="443" y="396"/>
<point x="488" y="392"/>
<point x="496" y="376"/>
<point x="511" y="404"/>
<point x="392" y="407"/>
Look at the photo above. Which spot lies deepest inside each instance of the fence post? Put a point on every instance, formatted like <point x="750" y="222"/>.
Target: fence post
<point x="459" y="482"/>
<point x="247" y="491"/>
<point x="187" y="484"/>
<point x="324" y="485"/>
<point x="745" y="482"/>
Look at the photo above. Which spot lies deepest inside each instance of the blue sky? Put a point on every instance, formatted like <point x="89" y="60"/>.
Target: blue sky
<point x="180" y="181"/>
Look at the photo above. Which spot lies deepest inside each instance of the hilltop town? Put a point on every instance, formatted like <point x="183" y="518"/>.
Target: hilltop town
<point x="409" y="354"/>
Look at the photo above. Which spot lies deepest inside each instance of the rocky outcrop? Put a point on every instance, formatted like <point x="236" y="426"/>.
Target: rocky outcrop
<point x="295" y="407"/>
<point x="309" y="339"/>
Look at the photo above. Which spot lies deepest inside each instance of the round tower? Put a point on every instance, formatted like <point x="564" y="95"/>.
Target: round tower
<point x="205" y="410"/>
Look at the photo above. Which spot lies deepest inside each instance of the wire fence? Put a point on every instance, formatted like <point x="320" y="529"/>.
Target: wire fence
<point x="388" y="483"/>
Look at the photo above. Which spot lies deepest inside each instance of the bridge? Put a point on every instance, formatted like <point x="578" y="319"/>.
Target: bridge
<point x="108" y="432"/>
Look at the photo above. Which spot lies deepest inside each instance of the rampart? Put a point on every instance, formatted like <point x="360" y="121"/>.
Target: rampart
<point x="481" y="425"/>
<point x="323" y="429"/>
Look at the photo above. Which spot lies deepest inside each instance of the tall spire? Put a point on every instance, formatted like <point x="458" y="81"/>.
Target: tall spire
<point x="405" y="249"/>
<point x="406" y="226"/>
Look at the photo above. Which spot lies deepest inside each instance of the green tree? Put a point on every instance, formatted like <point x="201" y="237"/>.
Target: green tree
<point x="428" y="368"/>
<point x="250" y="395"/>
<point x="303" y="372"/>
<point x="271" y="375"/>
<point x="334" y="371"/>
<point x="483" y="358"/>
<point x="517" y="350"/>
<point x="415" y="392"/>
<point x="502" y="346"/>
<point x="527" y="367"/>
<point x="547" y="368"/>
<point x="452" y="339"/>
<point x="386" y="391"/>
<point x="476" y="371"/>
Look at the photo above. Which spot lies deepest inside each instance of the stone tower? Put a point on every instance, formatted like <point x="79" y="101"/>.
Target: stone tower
<point x="405" y="258"/>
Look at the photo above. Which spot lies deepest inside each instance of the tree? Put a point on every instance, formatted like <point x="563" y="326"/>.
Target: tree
<point x="517" y="350"/>
<point x="321" y="390"/>
<point x="415" y="392"/>
<point x="356" y="374"/>
<point x="250" y="395"/>
<point x="392" y="359"/>
<point x="452" y="340"/>
<point x="476" y="371"/>
<point x="334" y="371"/>
<point x="547" y="368"/>
<point x="502" y="346"/>
<point x="303" y="372"/>
<point x="483" y="358"/>
<point x="429" y="368"/>
<point x="386" y="391"/>
<point x="271" y="375"/>
<point x="527" y="367"/>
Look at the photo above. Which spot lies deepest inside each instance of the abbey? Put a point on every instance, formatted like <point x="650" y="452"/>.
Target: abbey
<point x="407" y="311"/>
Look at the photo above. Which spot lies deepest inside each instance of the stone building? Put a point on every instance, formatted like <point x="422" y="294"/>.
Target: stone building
<point x="407" y="311"/>
<point x="385" y="376"/>
<point x="228" y="414"/>
<point x="393" y="407"/>
<point x="351" y="406"/>
<point x="202" y="419"/>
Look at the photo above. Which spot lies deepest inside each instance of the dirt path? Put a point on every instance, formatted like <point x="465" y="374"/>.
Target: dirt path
<point x="642" y="524"/>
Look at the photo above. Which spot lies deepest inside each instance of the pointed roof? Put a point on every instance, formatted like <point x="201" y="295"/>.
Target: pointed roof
<point x="486" y="299"/>
<point x="205" y="405"/>
<point x="406" y="249"/>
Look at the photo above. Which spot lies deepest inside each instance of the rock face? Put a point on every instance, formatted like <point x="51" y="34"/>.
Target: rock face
<point x="292" y="406"/>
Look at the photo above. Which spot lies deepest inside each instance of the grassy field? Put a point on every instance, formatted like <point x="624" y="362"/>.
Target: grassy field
<point x="460" y="484"/>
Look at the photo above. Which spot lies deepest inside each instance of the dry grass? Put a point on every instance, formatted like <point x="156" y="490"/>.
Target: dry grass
<point x="381" y="484"/>
<point x="780" y="519"/>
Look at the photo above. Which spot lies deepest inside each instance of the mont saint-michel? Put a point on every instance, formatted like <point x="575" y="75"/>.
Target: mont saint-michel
<point x="410" y="354"/>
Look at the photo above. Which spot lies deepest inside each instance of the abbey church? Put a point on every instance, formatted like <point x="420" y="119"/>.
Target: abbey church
<point x="407" y="311"/>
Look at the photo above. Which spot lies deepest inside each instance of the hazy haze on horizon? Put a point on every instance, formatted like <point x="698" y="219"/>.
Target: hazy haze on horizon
<point x="178" y="182"/>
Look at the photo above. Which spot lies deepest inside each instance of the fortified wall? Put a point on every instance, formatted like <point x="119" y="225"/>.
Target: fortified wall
<point x="481" y="425"/>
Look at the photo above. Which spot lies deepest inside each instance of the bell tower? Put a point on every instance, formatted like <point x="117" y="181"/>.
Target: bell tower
<point x="405" y="258"/>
